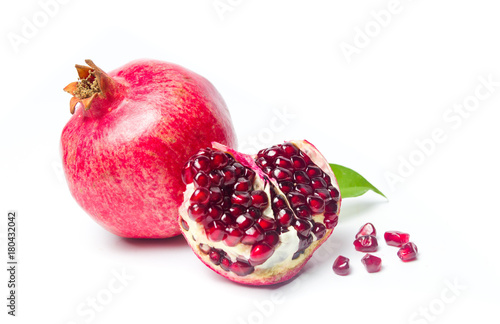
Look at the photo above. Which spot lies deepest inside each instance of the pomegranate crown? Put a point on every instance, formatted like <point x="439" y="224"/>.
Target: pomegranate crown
<point x="92" y="82"/>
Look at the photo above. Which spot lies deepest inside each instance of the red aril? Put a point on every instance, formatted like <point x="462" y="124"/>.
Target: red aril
<point x="396" y="238"/>
<point x="372" y="263"/>
<point x="367" y="229"/>
<point x="408" y="252"/>
<point x="366" y="243"/>
<point x="341" y="266"/>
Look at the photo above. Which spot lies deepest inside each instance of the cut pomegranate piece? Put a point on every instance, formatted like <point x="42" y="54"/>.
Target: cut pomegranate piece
<point x="396" y="238"/>
<point x="372" y="263"/>
<point x="341" y="266"/>
<point x="367" y="229"/>
<point x="249" y="210"/>
<point x="408" y="252"/>
<point x="366" y="243"/>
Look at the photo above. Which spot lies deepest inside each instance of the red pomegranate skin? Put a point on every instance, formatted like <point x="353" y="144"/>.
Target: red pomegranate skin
<point x="123" y="157"/>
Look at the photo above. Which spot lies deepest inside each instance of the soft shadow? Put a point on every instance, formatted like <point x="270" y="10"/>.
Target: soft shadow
<point x="176" y="242"/>
<point x="358" y="208"/>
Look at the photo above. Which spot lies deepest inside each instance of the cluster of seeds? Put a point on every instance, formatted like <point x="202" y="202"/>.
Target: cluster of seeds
<point x="231" y="210"/>
<point x="307" y="188"/>
<point x="366" y="241"/>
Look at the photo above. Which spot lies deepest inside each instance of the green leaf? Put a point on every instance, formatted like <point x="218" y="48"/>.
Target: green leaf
<point x="351" y="183"/>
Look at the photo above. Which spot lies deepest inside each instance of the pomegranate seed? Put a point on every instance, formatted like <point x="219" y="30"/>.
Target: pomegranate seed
<point x="244" y="221"/>
<point x="301" y="177"/>
<point x="367" y="229"/>
<point x="273" y="152"/>
<point x="185" y="225"/>
<point x="319" y="230"/>
<point x="262" y="162"/>
<point x="285" y="217"/>
<point x="200" y="196"/>
<point x="334" y="193"/>
<point x="242" y="184"/>
<point x="237" y="210"/>
<point x="306" y="158"/>
<point x="316" y="204"/>
<point x="372" y="263"/>
<point x="216" y="178"/>
<point x="298" y="163"/>
<point x="268" y="170"/>
<point x="242" y="198"/>
<point x="197" y="212"/>
<point x="225" y="264"/>
<point x="267" y="223"/>
<point x="239" y="169"/>
<point x="331" y="206"/>
<point x="260" y="253"/>
<point x="234" y="236"/>
<point x="259" y="199"/>
<point x="322" y="193"/>
<point x="201" y="180"/>
<point x="241" y="268"/>
<point x="271" y="238"/>
<point x="318" y="183"/>
<point x="396" y="238"/>
<point x="216" y="231"/>
<point x="286" y="186"/>
<point x="313" y="171"/>
<point x="229" y="175"/>
<point x="254" y="212"/>
<point x="327" y="179"/>
<point x="304" y="189"/>
<point x="228" y="219"/>
<point x="302" y="226"/>
<point x="289" y="149"/>
<point x="215" y="195"/>
<point x="218" y="160"/>
<point x="341" y="266"/>
<point x="201" y="163"/>
<point x="204" y="248"/>
<point x="215" y="256"/>
<point x="215" y="212"/>
<point x="408" y="252"/>
<point x="279" y="202"/>
<point x="281" y="174"/>
<point x="303" y="212"/>
<point x="330" y="221"/>
<point x="366" y="243"/>
<point x="249" y="174"/>
<point x="188" y="173"/>
<point x="284" y="163"/>
<point x="252" y="235"/>
<point x="296" y="199"/>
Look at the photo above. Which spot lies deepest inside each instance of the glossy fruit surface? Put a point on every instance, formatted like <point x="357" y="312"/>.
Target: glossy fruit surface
<point x="130" y="134"/>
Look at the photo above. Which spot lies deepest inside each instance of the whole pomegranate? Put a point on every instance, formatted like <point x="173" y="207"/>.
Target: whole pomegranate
<point x="131" y="132"/>
<point x="258" y="219"/>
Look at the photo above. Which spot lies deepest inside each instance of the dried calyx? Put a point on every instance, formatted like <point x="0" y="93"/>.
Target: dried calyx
<point x="92" y="82"/>
<point x="258" y="219"/>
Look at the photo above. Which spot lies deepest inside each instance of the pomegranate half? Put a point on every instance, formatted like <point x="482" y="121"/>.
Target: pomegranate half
<point x="131" y="131"/>
<point x="258" y="219"/>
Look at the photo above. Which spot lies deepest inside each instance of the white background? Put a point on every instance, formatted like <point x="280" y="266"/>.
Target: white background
<point x="366" y="110"/>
